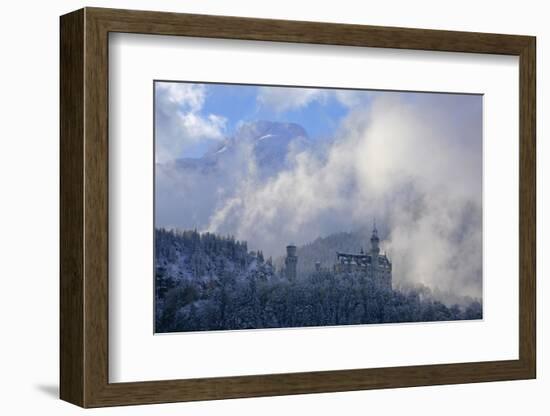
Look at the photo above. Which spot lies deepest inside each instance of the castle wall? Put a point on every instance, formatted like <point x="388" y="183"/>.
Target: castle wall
<point x="379" y="270"/>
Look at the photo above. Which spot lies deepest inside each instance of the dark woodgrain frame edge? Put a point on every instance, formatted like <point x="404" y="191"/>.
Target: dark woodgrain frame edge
<point x="84" y="207"/>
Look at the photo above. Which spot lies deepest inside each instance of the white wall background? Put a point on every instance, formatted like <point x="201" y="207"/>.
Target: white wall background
<point x="29" y="208"/>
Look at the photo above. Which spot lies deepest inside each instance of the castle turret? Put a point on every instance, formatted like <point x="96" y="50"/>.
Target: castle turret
<point x="291" y="262"/>
<point x="374" y="240"/>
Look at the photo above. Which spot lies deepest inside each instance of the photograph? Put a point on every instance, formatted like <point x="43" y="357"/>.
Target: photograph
<point x="258" y="203"/>
<point x="290" y="206"/>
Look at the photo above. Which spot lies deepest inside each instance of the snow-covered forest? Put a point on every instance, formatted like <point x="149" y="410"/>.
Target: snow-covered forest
<point x="208" y="282"/>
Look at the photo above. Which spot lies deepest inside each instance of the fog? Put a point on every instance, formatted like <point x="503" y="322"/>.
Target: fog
<point x="413" y="164"/>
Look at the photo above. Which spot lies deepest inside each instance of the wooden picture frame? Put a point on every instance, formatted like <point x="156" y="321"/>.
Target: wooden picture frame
<point x="84" y="207"/>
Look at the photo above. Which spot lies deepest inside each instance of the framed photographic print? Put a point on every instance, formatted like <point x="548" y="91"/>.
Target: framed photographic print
<point x="255" y="207"/>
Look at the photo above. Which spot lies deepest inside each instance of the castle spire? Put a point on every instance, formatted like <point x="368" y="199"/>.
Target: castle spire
<point x="374" y="240"/>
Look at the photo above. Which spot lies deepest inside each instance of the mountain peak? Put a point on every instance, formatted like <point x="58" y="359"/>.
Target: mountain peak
<point x="261" y="129"/>
<point x="273" y="145"/>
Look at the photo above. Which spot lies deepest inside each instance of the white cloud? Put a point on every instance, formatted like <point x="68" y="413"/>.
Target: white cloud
<point x="352" y="98"/>
<point x="415" y="166"/>
<point x="179" y="123"/>
<point x="411" y="162"/>
<point x="281" y="99"/>
<point x="188" y="97"/>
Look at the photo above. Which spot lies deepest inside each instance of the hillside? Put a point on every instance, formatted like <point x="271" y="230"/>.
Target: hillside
<point x="323" y="249"/>
<point x="208" y="282"/>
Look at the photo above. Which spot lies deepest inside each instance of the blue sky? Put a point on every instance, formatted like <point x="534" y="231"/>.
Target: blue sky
<point x="191" y="118"/>
<point x="319" y="111"/>
<point x="241" y="103"/>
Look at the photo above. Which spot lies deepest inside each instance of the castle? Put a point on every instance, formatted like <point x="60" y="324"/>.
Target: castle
<point x="376" y="266"/>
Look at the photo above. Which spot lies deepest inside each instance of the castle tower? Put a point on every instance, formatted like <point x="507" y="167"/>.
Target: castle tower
<point x="374" y="240"/>
<point x="291" y="262"/>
